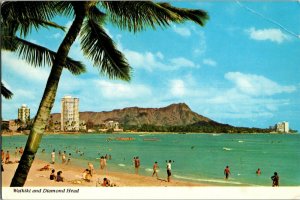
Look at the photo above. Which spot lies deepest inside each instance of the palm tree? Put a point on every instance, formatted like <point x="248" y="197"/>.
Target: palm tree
<point x="30" y="16"/>
<point x="99" y="47"/>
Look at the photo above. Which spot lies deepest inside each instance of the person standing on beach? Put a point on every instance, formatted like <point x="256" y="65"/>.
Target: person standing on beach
<point x="63" y="157"/>
<point x="3" y="155"/>
<point x="104" y="165"/>
<point x="21" y="151"/>
<point x="137" y="165"/>
<point x="275" y="179"/>
<point x="59" y="154"/>
<point x="53" y="156"/>
<point x="227" y="172"/>
<point x="169" y="168"/>
<point x="69" y="159"/>
<point x="7" y="157"/>
<point x="102" y="162"/>
<point x="91" y="168"/>
<point x="155" y="167"/>
<point x="16" y="154"/>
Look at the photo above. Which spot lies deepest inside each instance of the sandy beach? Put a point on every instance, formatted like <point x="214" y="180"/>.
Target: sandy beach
<point x="73" y="177"/>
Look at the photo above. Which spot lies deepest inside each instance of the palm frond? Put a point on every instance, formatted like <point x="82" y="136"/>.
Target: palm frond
<point x="34" y="54"/>
<point x="65" y="8"/>
<point x="6" y="93"/>
<point x="22" y="16"/>
<point x="138" y="15"/>
<point x="38" y="56"/>
<point x="95" y="14"/>
<point x="75" y="67"/>
<point x="198" y="16"/>
<point x="100" y="48"/>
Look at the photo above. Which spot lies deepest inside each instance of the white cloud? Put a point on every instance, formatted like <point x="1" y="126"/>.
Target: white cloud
<point x="22" y="68"/>
<point x="177" y="87"/>
<point x="117" y="90"/>
<point x="182" y="62"/>
<point x="145" y="60"/>
<point x="209" y="62"/>
<point x="151" y="61"/>
<point x="256" y="85"/>
<point x="274" y="35"/>
<point x="231" y="103"/>
<point x="160" y="55"/>
<point x="183" y="31"/>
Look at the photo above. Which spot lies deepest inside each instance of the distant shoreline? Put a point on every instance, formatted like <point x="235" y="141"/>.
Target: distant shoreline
<point x="4" y="133"/>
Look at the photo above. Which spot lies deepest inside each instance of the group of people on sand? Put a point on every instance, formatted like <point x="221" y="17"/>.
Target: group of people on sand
<point x="88" y="173"/>
<point x="58" y="177"/>
<point x="6" y="158"/>
<point x="137" y="164"/>
<point x="63" y="157"/>
<point x="275" y="177"/>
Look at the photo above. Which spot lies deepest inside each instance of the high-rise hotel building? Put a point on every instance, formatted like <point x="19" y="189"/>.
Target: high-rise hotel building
<point x="282" y="127"/>
<point x="24" y="114"/>
<point x="69" y="114"/>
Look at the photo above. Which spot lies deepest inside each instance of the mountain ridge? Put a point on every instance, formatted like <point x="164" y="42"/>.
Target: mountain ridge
<point x="177" y="117"/>
<point x="171" y="115"/>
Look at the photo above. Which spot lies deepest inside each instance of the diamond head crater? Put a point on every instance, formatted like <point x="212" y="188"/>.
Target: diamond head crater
<point x="173" y="118"/>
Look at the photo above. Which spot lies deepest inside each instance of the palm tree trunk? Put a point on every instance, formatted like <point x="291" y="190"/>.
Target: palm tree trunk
<point x="47" y="102"/>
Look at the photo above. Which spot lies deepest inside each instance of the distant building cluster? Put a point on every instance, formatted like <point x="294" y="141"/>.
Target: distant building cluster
<point x="69" y="119"/>
<point x="282" y="127"/>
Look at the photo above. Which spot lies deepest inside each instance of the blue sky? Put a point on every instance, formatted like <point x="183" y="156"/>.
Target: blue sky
<point x="242" y="68"/>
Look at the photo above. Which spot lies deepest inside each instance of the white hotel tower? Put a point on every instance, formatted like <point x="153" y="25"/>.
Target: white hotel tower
<point x="69" y="114"/>
<point x="282" y="127"/>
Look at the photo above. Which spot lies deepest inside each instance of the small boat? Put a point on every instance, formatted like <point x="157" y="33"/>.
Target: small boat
<point x="151" y="139"/>
<point x="226" y="149"/>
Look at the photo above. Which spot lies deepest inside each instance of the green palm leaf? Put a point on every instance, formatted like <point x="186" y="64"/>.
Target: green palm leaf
<point x="5" y="92"/>
<point x="100" y="48"/>
<point x="138" y="15"/>
<point x="33" y="14"/>
<point x="198" y="16"/>
<point x="95" y="14"/>
<point x="38" y="56"/>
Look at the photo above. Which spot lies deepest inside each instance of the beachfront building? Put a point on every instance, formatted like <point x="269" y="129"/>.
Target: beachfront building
<point x="69" y="114"/>
<point x="282" y="127"/>
<point x="111" y="125"/>
<point x="24" y="114"/>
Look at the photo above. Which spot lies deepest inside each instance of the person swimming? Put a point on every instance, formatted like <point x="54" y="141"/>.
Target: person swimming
<point x="258" y="172"/>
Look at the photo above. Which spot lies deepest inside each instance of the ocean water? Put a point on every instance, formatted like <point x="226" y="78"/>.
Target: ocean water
<point x="196" y="157"/>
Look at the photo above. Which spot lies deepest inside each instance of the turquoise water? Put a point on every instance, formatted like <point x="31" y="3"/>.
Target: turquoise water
<point x="197" y="157"/>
